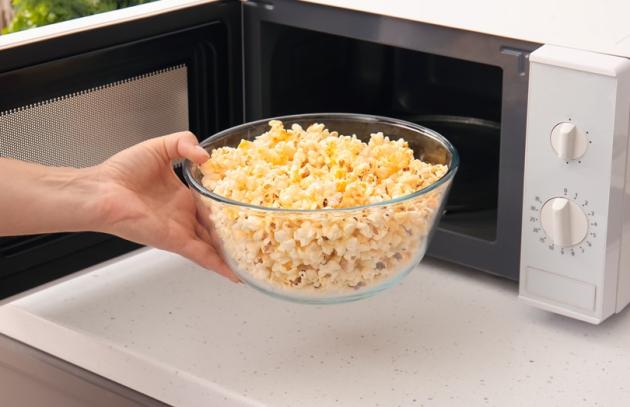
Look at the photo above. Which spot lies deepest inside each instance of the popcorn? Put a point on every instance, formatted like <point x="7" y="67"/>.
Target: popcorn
<point x="298" y="169"/>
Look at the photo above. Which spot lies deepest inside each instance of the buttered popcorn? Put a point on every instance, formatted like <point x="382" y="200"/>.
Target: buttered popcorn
<point x="310" y="169"/>
<point x="316" y="168"/>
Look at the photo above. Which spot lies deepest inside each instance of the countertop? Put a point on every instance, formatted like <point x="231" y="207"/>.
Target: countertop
<point x="589" y="25"/>
<point x="446" y="336"/>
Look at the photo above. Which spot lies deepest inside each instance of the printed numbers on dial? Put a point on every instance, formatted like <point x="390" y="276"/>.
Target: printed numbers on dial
<point x="536" y="227"/>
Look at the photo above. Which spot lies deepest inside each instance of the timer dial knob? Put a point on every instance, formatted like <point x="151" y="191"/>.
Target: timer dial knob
<point x="568" y="141"/>
<point x="564" y="222"/>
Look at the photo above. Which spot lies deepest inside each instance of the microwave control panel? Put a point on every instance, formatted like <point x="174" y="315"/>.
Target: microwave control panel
<point x="575" y="194"/>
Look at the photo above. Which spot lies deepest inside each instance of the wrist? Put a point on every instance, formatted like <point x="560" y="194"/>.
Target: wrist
<point x="75" y="193"/>
<point x="96" y="207"/>
<point x="90" y="186"/>
<point x="107" y="207"/>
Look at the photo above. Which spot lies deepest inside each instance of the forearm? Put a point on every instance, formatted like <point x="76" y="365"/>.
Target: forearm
<point x="40" y="199"/>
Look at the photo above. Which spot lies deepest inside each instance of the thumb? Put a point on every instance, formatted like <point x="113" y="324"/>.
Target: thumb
<point x="183" y="145"/>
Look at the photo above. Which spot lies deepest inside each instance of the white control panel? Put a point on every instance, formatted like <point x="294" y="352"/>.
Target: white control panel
<point x="575" y="183"/>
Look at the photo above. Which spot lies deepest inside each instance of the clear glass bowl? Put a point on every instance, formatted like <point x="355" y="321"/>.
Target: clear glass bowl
<point x="350" y="253"/>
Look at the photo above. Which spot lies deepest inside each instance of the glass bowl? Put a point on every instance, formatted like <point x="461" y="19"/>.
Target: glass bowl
<point x="326" y="255"/>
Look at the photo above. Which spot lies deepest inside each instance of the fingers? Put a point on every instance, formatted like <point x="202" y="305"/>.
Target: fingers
<point x="203" y="234"/>
<point x="184" y="145"/>
<point x="204" y="255"/>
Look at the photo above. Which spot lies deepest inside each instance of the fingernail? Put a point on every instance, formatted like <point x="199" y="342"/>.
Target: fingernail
<point x="233" y="278"/>
<point x="203" y="150"/>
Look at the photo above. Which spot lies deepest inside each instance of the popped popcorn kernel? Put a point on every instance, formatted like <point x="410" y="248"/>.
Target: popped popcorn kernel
<point x="311" y="169"/>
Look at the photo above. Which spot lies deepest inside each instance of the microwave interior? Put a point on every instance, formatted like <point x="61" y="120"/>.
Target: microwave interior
<point x="308" y="71"/>
<point x="278" y="64"/>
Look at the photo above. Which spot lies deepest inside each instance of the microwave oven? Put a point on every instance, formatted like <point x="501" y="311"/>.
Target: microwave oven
<point x="541" y="195"/>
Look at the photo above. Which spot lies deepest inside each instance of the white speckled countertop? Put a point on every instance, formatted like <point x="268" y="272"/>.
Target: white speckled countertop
<point x="447" y="336"/>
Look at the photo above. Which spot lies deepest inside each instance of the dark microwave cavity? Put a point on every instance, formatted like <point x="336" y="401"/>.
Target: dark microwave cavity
<point x="309" y="71"/>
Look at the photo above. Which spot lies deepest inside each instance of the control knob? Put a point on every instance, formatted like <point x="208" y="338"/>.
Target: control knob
<point x="568" y="141"/>
<point x="564" y="222"/>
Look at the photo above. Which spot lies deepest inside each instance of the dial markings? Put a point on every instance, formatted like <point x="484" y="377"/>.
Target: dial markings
<point x="542" y="234"/>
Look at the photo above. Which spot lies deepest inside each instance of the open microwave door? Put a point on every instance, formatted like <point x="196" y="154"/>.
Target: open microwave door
<point x="75" y="93"/>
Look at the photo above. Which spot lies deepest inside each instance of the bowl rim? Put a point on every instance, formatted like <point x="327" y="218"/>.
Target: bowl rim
<point x="454" y="164"/>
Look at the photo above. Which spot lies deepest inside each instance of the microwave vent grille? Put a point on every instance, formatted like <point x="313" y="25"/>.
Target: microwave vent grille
<point x="85" y="128"/>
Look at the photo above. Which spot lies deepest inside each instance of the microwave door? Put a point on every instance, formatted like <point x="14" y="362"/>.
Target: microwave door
<point x="76" y="93"/>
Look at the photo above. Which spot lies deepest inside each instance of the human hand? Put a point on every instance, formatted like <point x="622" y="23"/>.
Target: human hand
<point x="143" y="200"/>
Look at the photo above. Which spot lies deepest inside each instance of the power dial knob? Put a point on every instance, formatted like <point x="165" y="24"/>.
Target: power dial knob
<point x="568" y="141"/>
<point x="564" y="222"/>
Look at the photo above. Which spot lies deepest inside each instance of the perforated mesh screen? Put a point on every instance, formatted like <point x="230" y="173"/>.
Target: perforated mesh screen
<point x="85" y="128"/>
